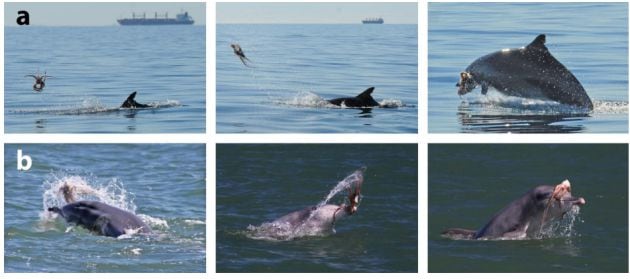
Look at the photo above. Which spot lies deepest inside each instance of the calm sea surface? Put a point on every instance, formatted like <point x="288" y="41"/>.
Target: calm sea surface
<point x="468" y="184"/>
<point x="93" y="71"/>
<point x="297" y="67"/>
<point x="259" y="183"/>
<point x="163" y="184"/>
<point x="590" y="39"/>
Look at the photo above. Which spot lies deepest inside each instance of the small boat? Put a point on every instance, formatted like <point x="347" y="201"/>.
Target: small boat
<point x="373" y="20"/>
<point x="182" y="18"/>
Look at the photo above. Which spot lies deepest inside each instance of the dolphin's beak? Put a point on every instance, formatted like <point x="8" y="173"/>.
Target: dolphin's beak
<point x="580" y="201"/>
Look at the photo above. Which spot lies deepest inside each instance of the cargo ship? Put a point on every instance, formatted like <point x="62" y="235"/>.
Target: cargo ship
<point x="373" y="21"/>
<point x="182" y="18"/>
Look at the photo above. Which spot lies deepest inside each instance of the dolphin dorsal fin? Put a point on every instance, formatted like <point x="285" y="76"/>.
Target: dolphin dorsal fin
<point x="132" y="96"/>
<point x="538" y="43"/>
<point x="366" y="94"/>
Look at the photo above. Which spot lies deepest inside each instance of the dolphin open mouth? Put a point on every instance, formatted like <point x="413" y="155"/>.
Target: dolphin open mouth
<point x="354" y="194"/>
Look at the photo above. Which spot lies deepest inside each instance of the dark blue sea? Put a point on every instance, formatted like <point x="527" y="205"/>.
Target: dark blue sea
<point x="296" y="68"/>
<point x="165" y="185"/>
<point x="590" y="39"/>
<point x="93" y="71"/>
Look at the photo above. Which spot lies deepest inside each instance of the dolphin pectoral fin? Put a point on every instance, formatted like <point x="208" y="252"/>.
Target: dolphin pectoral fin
<point x="484" y="88"/>
<point x="103" y="226"/>
<point x="517" y="232"/>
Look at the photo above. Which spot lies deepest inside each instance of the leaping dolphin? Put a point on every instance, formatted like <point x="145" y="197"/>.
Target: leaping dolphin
<point x="131" y="102"/>
<point x="528" y="72"/>
<point x="525" y="216"/>
<point x="362" y="100"/>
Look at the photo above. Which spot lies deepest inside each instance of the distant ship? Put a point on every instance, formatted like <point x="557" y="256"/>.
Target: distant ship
<point x="182" y="18"/>
<point x="373" y="21"/>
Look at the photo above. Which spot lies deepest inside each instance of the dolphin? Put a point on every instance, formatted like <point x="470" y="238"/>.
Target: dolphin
<point x="101" y="218"/>
<point x="314" y="220"/>
<point x="322" y="218"/>
<point x="527" y="72"/>
<point x="131" y="102"/>
<point x="362" y="100"/>
<point x="525" y="216"/>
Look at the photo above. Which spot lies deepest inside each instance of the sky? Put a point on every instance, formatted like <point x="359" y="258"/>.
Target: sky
<point x="96" y="14"/>
<point x="320" y="13"/>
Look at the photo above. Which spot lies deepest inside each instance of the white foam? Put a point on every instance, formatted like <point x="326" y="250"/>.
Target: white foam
<point x="91" y="106"/>
<point x="312" y="100"/>
<point x="305" y="99"/>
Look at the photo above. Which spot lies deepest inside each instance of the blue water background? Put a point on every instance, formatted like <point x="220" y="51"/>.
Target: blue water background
<point x="166" y="182"/>
<point x="259" y="183"/>
<point x="297" y="66"/>
<point x="93" y="71"/>
<point x="469" y="183"/>
<point x="590" y="39"/>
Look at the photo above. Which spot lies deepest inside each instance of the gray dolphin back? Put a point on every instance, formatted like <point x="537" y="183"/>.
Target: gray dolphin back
<point x="101" y="218"/>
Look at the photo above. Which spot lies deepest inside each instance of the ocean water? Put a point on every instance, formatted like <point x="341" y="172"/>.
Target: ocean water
<point x="259" y="183"/>
<point x="465" y="191"/>
<point x="163" y="184"/>
<point x="590" y="39"/>
<point x="296" y="68"/>
<point x="93" y="71"/>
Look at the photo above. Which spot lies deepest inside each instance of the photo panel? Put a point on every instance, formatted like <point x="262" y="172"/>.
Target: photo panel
<point x="528" y="208"/>
<point x="317" y="67"/>
<point x="105" y="208"/>
<point x="528" y="67"/>
<point x="105" y="67"/>
<point x="313" y="208"/>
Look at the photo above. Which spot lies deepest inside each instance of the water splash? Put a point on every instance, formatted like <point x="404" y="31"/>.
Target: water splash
<point x="610" y="107"/>
<point x="285" y="231"/>
<point x="312" y="100"/>
<point x="562" y="227"/>
<point x="92" y="106"/>
<point x="529" y="106"/>
<point x="355" y="178"/>
<point x="303" y="99"/>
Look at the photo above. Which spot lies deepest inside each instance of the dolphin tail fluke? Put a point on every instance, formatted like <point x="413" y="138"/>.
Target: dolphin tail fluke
<point x="366" y="94"/>
<point x="457" y="233"/>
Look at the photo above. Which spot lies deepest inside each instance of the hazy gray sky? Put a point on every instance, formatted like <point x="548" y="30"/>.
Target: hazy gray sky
<point x="402" y="13"/>
<point x="96" y="14"/>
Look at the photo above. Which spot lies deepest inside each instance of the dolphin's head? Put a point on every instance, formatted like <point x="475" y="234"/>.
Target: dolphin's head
<point x="465" y="84"/>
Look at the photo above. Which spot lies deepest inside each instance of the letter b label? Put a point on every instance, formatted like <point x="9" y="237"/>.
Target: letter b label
<point x="25" y="162"/>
